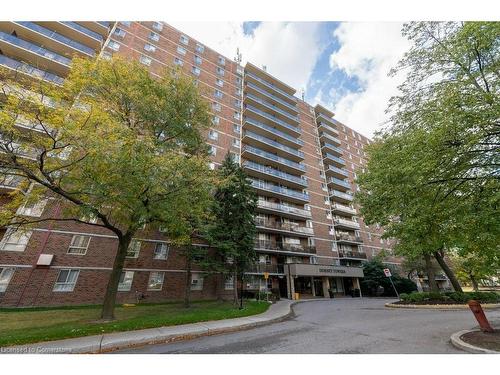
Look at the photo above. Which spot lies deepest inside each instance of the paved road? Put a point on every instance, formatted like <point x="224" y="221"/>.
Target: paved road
<point x="339" y="326"/>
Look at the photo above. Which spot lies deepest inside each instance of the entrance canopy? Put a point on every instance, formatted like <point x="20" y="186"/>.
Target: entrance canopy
<point x="298" y="269"/>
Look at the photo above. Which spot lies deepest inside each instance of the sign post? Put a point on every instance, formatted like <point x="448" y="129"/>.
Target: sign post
<point x="266" y="276"/>
<point x="387" y="273"/>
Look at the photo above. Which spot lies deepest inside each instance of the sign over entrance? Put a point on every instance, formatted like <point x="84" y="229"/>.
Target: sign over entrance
<point x="387" y="272"/>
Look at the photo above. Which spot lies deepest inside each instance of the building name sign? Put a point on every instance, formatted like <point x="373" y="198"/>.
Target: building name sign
<point x="301" y="269"/>
<point x="330" y="270"/>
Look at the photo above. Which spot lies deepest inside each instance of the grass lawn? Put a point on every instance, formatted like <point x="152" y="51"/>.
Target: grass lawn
<point x="22" y="326"/>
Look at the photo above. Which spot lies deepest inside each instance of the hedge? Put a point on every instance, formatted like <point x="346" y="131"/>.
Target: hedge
<point x="483" y="297"/>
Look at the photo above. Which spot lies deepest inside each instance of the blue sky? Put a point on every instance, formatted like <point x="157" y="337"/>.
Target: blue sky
<point x="341" y="65"/>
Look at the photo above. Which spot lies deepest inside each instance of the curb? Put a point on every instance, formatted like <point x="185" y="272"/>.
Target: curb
<point x="161" y="335"/>
<point x="460" y="344"/>
<point x="440" y="307"/>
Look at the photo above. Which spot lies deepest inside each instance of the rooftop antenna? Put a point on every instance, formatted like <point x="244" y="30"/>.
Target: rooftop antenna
<point x="303" y="94"/>
<point x="238" y="57"/>
<point x="264" y="68"/>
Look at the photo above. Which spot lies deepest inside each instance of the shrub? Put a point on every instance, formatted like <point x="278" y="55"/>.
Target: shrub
<point x="457" y="297"/>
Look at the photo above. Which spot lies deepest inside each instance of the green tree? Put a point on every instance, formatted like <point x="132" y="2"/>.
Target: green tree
<point x="433" y="173"/>
<point x="111" y="143"/>
<point x="374" y="278"/>
<point x="232" y="232"/>
<point x="473" y="268"/>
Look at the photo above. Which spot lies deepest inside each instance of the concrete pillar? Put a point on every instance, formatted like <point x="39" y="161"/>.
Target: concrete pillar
<point x="292" y="287"/>
<point x="357" y="285"/>
<point x="312" y="287"/>
<point x="326" y="286"/>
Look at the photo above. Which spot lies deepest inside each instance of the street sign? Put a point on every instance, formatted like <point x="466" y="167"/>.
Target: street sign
<point x="387" y="272"/>
<point x="266" y="275"/>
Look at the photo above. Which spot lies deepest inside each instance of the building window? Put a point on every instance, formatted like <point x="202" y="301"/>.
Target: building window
<point x="237" y="92"/>
<point x="213" y="135"/>
<point x="237" y="103"/>
<point x="5" y="276"/>
<point x="238" y="81"/>
<point x="145" y="60"/>
<point x="156" y="280"/>
<point x="229" y="283"/>
<point x="66" y="280"/>
<point x="79" y="244"/>
<point x="314" y="260"/>
<point x="216" y="120"/>
<point x="126" y="279"/>
<point x="212" y="150"/>
<point x="184" y="39"/>
<point x="200" y="48"/>
<point x="237" y="115"/>
<point x="219" y="82"/>
<point x="236" y="142"/>
<point x="114" y="45"/>
<point x="197" y="60"/>
<point x="149" y="48"/>
<point x="221" y="60"/>
<point x="219" y="71"/>
<point x="196" y="71"/>
<point x="178" y="61"/>
<point x="196" y="281"/>
<point x="157" y="26"/>
<point x="236" y="128"/>
<point x="307" y="207"/>
<point x="330" y="230"/>
<point x="218" y="94"/>
<point x="133" y="249"/>
<point x="120" y="32"/>
<point x="181" y="50"/>
<point x="309" y="223"/>
<point x="106" y="55"/>
<point x="15" y="240"/>
<point x="327" y="201"/>
<point x="369" y="236"/>
<point x="216" y="107"/>
<point x="324" y="187"/>
<point x="235" y="157"/>
<point x="154" y="36"/>
<point x="34" y="209"/>
<point x="239" y="70"/>
<point x="328" y="215"/>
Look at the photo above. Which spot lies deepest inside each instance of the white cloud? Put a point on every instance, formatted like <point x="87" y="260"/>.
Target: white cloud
<point x="368" y="51"/>
<point x="288" y="50"/>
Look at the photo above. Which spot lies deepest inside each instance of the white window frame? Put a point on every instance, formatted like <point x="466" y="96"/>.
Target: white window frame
<point x="229" y="283"/>
<point x="132" y="249"/>
<point x="184" y="39"/>
<point x="220" y="71"/>
<point x="200" y="48"/>
<point x="120" y="32"/>
<point x="196" y="281"/>
<point x="221" y="60"/>
<point x="21" y="235"/>
<point x="181" y="50"/>
<point x="66" y="286"/>
<point x="160" y="281"/>
<point x="6" y="274"/>
<point x="163" y="255"/>
<point x="196" y="71"/>
<point x="213" y="135"/>
<point x="219" y="82"/>
<point x="178" y="62"/>
<point x="34" y="209"/>
<point x="145" y="60"/>
<point x="213" y="150"/>
<point x="157" y="26"/>
<point x="149" y="47"/>
<point x="197" y="60"/>
<point x="115" y="46"/>
<point x="126" y="286"/>
<point x="80" y="249"/>
<point x="237" y="128"/>
<point x="154" y="36"/>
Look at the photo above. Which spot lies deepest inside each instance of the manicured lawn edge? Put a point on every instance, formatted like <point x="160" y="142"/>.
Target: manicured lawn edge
<point x="439" y="307"/>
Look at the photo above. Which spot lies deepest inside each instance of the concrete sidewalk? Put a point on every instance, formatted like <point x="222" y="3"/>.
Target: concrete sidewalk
<point x="119" y="340"/>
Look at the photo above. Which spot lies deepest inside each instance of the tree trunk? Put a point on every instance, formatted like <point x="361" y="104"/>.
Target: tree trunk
<point x="473" y="280"/>
<point x="187" y="291"/>
<point x="235" y="288"/>
<point x="430" y="274"/>
<point x="220" y="282"/>
<point x="447" y="270"/>
<point x="241" y="291"/>
<point x="108" y="307"/>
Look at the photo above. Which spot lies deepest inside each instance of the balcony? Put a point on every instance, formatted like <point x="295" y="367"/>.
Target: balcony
<point x="341" y="196"/>
<point x="272" y="97"/>
<point x="267" y="245"/>
<point x="284" y="137"/>
<point x="54" y="36"/>
<point x="280" y="192"/>
<point x="266" y="105"/>
<point x="76" y="32"/>
<point x="30" y="70"/>
<point x="345" y="237"/>
<point x="327" y="128"/>
<point x="277" y="226"/>
<point x="351" y="255"/>
<point x="336" y="160"/>
<point x="338" y="183"/>
<point x="330" y="138"/>
<point x="273" y="119"/>
<point x="343" y="209"/>
<point x="323" y="118"/>
<point x="84" y="30"/>
<point x="275" y="175"/>
<point x="269" y="85"/>
<point x="271" y="145"/>
<point x="284" y="210"/>
<point x="332" y="148"/>
<point x="260" y="268"/>
<point x="335" y="171"/>
<point x="267" y="157"/>
<point x="27" y="51"/>
<point x="344" y="223"/>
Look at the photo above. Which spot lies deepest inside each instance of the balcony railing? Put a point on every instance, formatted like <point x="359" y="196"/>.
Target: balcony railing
<point x="341" y="207"/>
<point x="343" y="172"/>
<point x="339" y="182"/>
<point x="274" y="157"/>
<point x="277" y="246"/>
<point x="323" y="117"/>
<point x="40" y="51"/>
<point x="274" y="131"/>
<point x="271" y="86"/>
<point x="83" y="30"/>
<point x="272" y="143"/>
<point x="322" y="125"/>
<point x="274" y="172"/>
<point x="351" y="254"/>
<point x="58" y="37"/>
<point x="345" y="222"/>
<point x="339" y="194"/>
<point x="328" y="136"/>
<point x="335" y="158"/>
<point x="30" y="70"/>
<point x="333" y="148"/>
<point x="273" y="118"/>
<point x="271" y="96"/>
<point x="269" y="268"/>
<point x="290" y="227"/>
<point x="273" y="107"/>
<point x="280" y="190"/>
<point x="283" y="208"/>
<point x="344" y="236"/>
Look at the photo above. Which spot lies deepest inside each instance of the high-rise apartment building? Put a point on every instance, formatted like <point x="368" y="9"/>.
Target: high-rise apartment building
<point x="301" y="161"/>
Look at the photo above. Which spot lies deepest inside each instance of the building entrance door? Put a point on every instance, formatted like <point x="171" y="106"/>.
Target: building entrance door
<point x="318" y="287"/>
